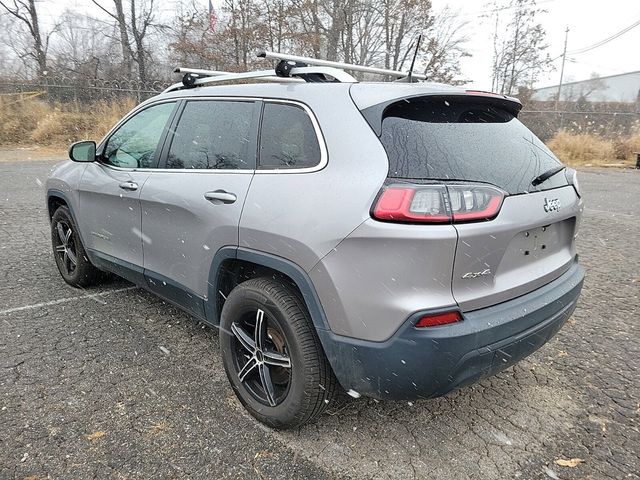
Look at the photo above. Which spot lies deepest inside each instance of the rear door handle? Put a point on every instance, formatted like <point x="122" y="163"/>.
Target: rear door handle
<point x="130" y="186"/>
<point x="220" y="196"/>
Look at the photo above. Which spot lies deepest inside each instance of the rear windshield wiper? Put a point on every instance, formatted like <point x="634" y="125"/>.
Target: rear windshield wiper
<point x="546" y="175"/>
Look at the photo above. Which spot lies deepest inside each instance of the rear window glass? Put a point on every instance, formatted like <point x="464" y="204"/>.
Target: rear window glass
<point x="287" y="138"/>
<point x="451" y="139"/>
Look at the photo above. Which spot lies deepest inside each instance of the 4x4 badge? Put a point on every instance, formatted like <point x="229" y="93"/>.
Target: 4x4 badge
<point x="551" y="205"/>
<point x="483" y="273"/>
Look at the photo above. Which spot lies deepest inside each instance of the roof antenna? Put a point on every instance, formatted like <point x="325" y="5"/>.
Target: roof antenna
<point x="413" y="60"/>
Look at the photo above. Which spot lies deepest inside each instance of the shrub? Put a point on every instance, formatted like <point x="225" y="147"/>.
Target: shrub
<point x="33" y="121"/>
<point x="580" y="149"/>
<point x="18" y="117"/>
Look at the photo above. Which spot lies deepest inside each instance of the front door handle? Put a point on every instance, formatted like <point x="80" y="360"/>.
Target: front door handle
<point x="130" y="186"/>
<point x="220" y="196"/>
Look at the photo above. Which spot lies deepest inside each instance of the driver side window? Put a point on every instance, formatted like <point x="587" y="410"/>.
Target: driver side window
<point x="134" y="143"/>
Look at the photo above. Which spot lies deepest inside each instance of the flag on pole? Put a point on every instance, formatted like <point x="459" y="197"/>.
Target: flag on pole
<point x="213" y="18"/>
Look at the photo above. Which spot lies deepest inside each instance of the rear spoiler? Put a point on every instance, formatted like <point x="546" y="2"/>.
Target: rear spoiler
<point x="374" y="114"/>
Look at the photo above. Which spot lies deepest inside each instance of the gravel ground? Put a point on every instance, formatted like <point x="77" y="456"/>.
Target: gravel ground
<point x="114" y="383"/>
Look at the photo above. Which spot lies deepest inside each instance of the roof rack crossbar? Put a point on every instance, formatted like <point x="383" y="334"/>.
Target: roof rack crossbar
<point x="340" y="65"/>
<point x="215" y="77"/>
<point x="199" y="71"/>
<point x="241" y="76"/>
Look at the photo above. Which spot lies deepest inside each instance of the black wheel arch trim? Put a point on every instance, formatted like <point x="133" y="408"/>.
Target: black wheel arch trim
<point x="274" y="262"/>
<point x="328" y="340"/>
<point x="55" y="193"/>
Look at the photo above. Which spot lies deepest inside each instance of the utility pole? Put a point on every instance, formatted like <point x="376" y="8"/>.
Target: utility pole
<point x="564" y="57"/>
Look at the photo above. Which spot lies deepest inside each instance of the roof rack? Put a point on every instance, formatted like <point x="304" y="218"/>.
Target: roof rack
<point x="341" y="65"/>
<point x="290" y="68"/>
<point x="194" y="77"/>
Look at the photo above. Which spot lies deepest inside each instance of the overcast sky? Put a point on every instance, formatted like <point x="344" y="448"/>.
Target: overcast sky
<point x="589" y="21"/>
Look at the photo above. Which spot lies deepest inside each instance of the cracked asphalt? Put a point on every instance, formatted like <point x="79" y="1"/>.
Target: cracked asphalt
<point x="114" y="383"/>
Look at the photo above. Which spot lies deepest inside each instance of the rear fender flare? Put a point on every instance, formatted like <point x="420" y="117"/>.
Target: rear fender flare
<point x="274" y="262"/>
<point x="55" y="193"/>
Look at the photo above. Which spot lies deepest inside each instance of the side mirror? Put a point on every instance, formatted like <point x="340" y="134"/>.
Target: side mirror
<point x="84" y="151"/>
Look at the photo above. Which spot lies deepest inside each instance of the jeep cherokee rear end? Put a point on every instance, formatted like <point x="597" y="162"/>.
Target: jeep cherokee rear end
<point x="404" y="239"/>
<point x="467" y="262"/>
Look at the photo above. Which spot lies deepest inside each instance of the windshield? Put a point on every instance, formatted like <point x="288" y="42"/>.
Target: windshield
<point x="444" y="139"/>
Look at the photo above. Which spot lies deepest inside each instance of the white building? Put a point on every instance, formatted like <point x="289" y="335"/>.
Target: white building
<point x="623" y="88"/>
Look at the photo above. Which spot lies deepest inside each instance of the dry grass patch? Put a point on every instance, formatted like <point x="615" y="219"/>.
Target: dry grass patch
<point x="35" y="122"/>
<point x="586" y="149"/>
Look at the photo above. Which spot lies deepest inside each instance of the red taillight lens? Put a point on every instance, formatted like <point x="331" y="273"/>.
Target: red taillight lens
<point x="409" y="204"/>
<point x="438" y="203"/>
<point x="438" y="319"/>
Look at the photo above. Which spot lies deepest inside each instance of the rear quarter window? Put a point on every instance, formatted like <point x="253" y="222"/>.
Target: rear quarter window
<point x="287" y="138"/>
<point x="463" y="139"/>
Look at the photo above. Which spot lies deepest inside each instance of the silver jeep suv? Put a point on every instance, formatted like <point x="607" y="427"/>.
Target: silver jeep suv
<point x="391" y="240"/>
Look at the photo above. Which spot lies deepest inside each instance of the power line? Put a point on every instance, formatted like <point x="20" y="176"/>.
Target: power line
<point x="605" y="41"/>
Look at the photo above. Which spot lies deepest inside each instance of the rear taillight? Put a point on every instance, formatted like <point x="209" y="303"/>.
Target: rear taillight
<point x="437" y="319"/>
<point x="438" y="203"/>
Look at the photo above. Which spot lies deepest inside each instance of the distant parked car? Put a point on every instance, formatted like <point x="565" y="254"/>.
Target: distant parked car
<point x="393" y="240"/>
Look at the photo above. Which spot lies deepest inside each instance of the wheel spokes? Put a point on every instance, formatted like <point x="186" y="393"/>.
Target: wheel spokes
<point x="245" y="340"/>
<point x="261" y="358"/>
<point x="267" y="384"/>
<point x="65" y="261"/>
<point x="260" y="331"/>
<point x="61" y="234"/>
<point x="72" y="257"/>
<point x="276" y="359"/>
<point x="248" y="367"/>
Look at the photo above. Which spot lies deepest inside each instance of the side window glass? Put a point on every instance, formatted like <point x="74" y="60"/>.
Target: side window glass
<point x="287" y="139"/>
<point x="134" y="144"/>
<point x="215" y="134"/>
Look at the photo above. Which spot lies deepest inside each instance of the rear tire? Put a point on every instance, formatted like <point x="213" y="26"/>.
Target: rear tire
<point x="71" y="259"/>
<point x="293" y="362"/>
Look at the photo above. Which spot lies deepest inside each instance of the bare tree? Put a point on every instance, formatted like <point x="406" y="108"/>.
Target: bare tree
<point x="519" y="47"/>
<point x="25" y="12"/>
<point x="122" y="43"/>
<point x="134" y="25"/>
<point x="82" y="55"/>
<point x="444" y="47"/>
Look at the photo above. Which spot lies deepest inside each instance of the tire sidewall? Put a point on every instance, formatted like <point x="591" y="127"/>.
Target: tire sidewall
<point x="62" y="215"/>
<point x="85" y="274"/>
<point x="246" y="299"/>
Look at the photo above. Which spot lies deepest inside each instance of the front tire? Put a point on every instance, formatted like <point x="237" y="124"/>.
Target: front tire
<point x="71" y="259"/>
<point x="272" y="355"/>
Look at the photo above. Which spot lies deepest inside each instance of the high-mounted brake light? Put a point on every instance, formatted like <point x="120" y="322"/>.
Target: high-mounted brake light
<point x="437" y="319"/>
<point x="484" y="93"/>
<point x="438" y="203"/>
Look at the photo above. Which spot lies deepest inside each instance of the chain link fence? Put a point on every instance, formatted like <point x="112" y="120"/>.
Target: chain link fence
<point x="62" y="90"/>
<point x="608" y="124"/>
<point x="542" y="120"/>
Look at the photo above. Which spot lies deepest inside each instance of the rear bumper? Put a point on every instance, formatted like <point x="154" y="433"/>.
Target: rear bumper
<point x="424" y="363"/>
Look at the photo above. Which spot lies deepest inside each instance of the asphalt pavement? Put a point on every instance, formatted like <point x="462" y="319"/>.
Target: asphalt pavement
<point x="112" y="382"/>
